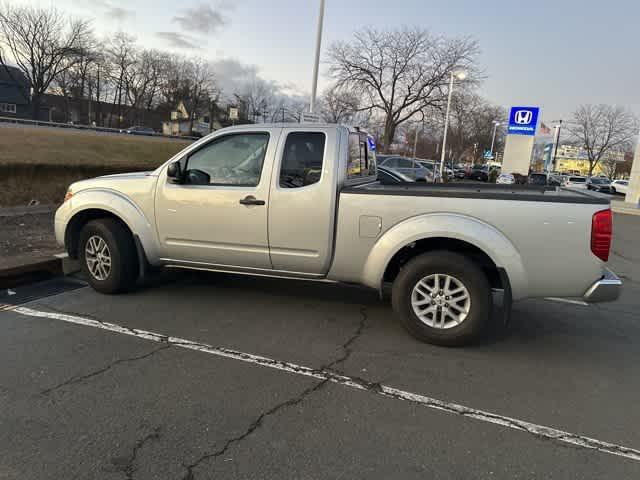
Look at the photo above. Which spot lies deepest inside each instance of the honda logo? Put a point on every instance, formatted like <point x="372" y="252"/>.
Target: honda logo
<point x="523" y="117"/>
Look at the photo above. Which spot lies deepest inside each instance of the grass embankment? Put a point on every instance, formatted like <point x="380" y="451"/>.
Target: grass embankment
<point x="39" y="163"/>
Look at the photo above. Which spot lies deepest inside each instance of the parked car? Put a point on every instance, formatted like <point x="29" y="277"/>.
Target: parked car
<point x="479" y="172"/>
<point x="599" y="184"/>
<point x="506" y="179"/>
<point x="620" y="186"/>
<point x="408" y="166"/>
<point x="460" y="173"/>
<point x="545" y="179"/>
<point x="432" y="170"/>
<point x="140" y="130"/>
<point x="387" y="176"/>
<point x="576" y="182"/>
<point x="304" y="202"/>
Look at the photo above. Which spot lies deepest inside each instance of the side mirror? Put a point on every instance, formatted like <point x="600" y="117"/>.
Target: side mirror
<point x="174" y="171"/>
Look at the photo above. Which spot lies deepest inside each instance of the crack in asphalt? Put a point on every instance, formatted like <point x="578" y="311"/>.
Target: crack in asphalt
<point x="127" y="464"/>
<point x="81" y="378"/>
<point x="190" y="474"/>
<point x="325" y="375"/>
<point x="326" y="370"/>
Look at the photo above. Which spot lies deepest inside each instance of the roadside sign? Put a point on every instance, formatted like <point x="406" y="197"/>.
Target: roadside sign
<point x="372" y="143"/>
<point x="488" y="155"/>
<point x="233" y="113"/>
<point x="523" y="120"/>
<point x="308" y="117"/>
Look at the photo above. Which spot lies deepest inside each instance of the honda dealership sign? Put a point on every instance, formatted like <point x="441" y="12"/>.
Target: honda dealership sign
<point x="523" y="120"/>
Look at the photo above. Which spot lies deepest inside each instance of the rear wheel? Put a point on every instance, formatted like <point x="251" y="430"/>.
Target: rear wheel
<point x="613" y="190"/>
<point x="108" y="256"/>
<point x="442" y="298"/>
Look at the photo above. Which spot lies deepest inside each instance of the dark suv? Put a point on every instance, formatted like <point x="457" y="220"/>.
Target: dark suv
<point x="479" y="172"/>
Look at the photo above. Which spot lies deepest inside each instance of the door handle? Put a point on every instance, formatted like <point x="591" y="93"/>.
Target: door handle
<point x="251" y="200"/>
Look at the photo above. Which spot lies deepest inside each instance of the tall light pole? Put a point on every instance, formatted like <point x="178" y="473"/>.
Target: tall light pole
<point x="316" y="64"/>
<point x="459" y="76"/>
<point x="493" y="139"/>
<point x="556" y="141"/>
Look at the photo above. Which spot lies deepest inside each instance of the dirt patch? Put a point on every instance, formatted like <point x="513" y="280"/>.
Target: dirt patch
<point x="26" y="238"/>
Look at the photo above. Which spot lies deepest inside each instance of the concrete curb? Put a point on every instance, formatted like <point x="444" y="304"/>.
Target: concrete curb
<point x="39" y="269"/>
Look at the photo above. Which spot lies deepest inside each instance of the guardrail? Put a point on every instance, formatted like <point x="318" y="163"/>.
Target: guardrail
<point x="116" y="131"/>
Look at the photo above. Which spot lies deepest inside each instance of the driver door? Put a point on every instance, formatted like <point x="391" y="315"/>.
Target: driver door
<point x="218" y="214"/>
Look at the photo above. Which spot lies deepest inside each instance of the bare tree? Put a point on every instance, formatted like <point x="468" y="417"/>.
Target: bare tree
<point x="259" y="98"/>
<point x="142" y="79"/>
<point x="200" y="89"/>
<point x="400" y="72"/>
<point x="602" y="130"/>
<point x="339" y="105"/>
<point x="40" y="42"/>
<point x="121" y="56"/>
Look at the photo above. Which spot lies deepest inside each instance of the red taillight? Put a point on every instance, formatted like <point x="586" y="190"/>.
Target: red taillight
<point x="601" y="233"/>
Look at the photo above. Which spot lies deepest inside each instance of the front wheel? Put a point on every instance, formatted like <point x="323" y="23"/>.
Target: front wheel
<point x="442" y="298"/>
<point x="108" y="256"/>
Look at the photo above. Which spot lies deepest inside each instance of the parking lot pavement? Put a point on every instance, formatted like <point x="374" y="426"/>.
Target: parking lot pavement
<point x="81" y="398"/>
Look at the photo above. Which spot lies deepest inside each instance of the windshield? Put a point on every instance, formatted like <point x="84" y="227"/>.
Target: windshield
<point x="577" y="179"/>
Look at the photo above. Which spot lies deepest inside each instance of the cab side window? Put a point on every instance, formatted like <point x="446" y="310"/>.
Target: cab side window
<point x="302" y="160"/>
<point x="230" y="160"/>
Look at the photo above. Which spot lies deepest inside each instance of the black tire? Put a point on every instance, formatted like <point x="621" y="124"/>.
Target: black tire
<point x="468" y="273"/>
<point x="123" y="271"/>
<point x="613" y="191"/>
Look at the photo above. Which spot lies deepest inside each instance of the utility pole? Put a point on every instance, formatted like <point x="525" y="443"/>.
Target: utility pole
<point x="493" y="139"/>
<point x="316" y="64"/>
<point x="459" y="76"/>
<point x="554" y="167"/>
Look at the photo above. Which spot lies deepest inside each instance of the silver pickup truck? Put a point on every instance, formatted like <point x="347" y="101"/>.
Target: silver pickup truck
<point x="303" y="201"/>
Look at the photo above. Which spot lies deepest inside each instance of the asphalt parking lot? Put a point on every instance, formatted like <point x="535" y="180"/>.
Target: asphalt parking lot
<point x="216" y="376"/>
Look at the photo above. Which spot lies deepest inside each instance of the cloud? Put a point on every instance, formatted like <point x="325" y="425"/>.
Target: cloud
<point x="177" y="40"/>
<point x="118" y="13"/>
<point x="201" y="18"/>
<point x="108" y="9"/>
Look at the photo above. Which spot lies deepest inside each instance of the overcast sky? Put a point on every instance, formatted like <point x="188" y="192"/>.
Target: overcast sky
<point x="555" y="54"/>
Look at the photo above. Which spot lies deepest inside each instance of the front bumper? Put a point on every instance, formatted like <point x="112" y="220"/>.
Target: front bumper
<point x="607" y="289"/>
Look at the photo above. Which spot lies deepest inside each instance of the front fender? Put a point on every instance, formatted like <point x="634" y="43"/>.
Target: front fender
<point x="446" y="225"/>
<point x="115" y="203"/>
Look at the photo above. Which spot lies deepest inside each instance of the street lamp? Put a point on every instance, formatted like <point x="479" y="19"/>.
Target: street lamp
<point x="460" y="75"/>
<point x="316" y="65"/>
<point x="493" y="139"/>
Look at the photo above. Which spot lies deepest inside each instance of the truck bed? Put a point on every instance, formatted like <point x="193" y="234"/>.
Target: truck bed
<point x="525" y="193"/>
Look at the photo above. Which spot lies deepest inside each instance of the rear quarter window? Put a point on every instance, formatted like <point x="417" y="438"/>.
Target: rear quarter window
<point x="362" y="160"/>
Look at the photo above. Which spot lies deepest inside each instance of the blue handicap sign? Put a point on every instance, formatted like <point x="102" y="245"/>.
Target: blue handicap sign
<point x="523" y="120"/>
<point x="372" y="143"/>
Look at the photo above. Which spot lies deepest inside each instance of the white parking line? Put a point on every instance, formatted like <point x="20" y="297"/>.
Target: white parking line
<point x="352" y="382"/>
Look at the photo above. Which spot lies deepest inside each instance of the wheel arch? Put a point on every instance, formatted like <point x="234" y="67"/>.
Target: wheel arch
<point x="90" y="205"/>
<point x="483" y="243"/>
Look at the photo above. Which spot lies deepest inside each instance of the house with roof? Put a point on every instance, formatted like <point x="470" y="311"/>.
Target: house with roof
<point x="14" y="93"/>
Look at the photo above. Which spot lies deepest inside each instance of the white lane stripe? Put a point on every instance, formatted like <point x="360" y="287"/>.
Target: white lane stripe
<point x="352" y="382"/>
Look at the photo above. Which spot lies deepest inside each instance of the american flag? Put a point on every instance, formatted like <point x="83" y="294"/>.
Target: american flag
<point x="544" y="130"/>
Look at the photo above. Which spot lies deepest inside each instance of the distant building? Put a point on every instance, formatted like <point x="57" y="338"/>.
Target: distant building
<point x="575" y="160"/>
<point x="14" y="93"/>
<point x="180" y="123"/>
